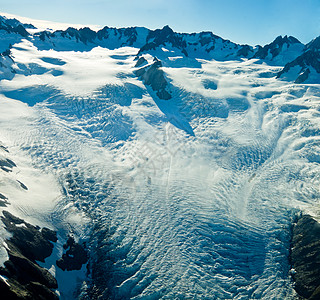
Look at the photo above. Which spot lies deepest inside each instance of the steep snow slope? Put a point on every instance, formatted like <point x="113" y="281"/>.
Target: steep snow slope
<point x="191" y="197"/>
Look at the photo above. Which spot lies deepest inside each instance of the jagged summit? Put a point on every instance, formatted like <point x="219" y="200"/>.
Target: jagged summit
<point x="314" y="45"/>
<point x="161" y="33"/>
<point x="15" y="23"/>
<point x="103" y="37"/>
<point x="161" y="37"/>
<point x="286" y="40"/>
<point x="285" y="51"/>
<point x="153" y="76"/>
<point x="277" y="47"/>
<point x="13" y="26"/>
<point x="304" y="67"/>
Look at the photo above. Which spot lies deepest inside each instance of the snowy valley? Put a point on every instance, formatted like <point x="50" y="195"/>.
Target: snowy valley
<point x="169" y="165"/>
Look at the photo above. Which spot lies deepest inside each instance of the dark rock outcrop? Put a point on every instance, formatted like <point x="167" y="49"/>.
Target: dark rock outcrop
<point x="307" y="61"/>
<point x="2" y="197"/>
<point x="3" y="200"/>
<point x="141" y="62"/>
<point x="7" y="165"/>
<point x="22" y="277"/>
<point x="161" y="37"/>
<point x="84" y="35"/>
<point x="12" y="26"/>
<point x="75" y="256"/>
<point x="128" y="35"/>
<point x="15" y="23"/>
<point x="305" y="257"/>
<point x="4" y="148"/>
<point x="245" y="51"/>
<point x="22" y="185"/>
<point x="33" y="243"/>
<point x="125" y="36"/>
<point x="153" y="76"/>
<point x="276" y="47"/>
<point x="6" y="53"/>
<point x="314" y="45"/>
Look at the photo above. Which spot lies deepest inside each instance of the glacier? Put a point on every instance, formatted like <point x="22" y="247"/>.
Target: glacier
<point x="187" y="198"/>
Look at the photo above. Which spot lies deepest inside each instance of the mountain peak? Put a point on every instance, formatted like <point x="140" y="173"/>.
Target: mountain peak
<point x="161" y="34"/>
<point x="285" y="40"/>
<point x="276" y="47"/>
<point x="13" y="26"/>
<point x="306" y="62"/>
<point x="167" y="29"/>
<point x="314" y="44"/>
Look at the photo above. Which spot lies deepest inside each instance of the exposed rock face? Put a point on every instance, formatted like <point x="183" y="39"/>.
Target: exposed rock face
<point x="13" y="26"/>
<point x="14" y="23"/>
<point x="314" y="45"/>
<point x="303" y="76"/>
<point x="7" y="165"/>
<point x="245" y="51"/>
<point x="75" y="256"/>
<point x="153" y="76"/>
<point x="141" y="62"/>
<point x="6" y="66"/>
<point x="4" y="148"/>
<point x="307" y="61"/>
<point x="160" y="37"/>
<point x="194" y="44"/>
<point x="22" y="277"/>
<point x="84" y="35"/>
<point x="22" y="185"/>
<point x="276" y="46"/>
<point x="128" y="34"/>
<point x="305" y="257"/>
<point x="209" y="43"/>
<point x="30" y="241"/>
<point x="125" y="36"/>
<point x="3" y="200"/>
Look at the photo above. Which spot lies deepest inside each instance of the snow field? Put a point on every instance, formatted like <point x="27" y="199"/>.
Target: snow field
<point x="188" y="198"/>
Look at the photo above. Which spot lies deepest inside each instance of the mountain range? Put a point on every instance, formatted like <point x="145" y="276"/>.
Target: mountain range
<point x="300" y="62"/>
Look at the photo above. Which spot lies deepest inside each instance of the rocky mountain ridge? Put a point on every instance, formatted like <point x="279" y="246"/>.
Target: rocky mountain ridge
<point x="286" y="51"/>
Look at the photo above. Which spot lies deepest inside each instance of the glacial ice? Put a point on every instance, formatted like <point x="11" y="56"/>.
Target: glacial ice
<point x="190" y="198"/>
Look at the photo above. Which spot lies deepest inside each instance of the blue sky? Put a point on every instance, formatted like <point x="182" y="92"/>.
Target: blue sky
<point x="243" y="21"/>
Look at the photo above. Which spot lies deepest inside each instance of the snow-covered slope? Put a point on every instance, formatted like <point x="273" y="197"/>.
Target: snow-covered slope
<point x="180" y="159"/>
<point x="306" y="67"/>
<point x="281" y="51"/>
